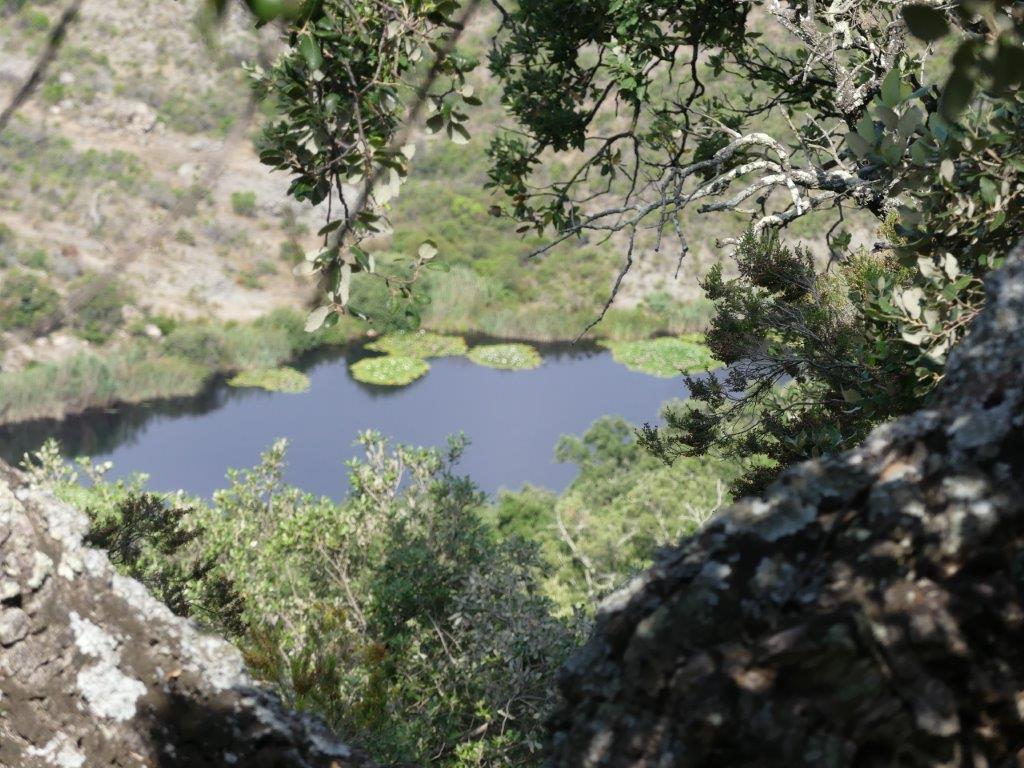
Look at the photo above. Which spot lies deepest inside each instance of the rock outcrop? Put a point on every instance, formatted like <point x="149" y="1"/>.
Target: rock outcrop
<point x="95" y="672"/>
<point x="868" y="611"/>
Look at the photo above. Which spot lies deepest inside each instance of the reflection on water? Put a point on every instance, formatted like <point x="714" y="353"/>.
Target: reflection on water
<point x="512" y="418"/>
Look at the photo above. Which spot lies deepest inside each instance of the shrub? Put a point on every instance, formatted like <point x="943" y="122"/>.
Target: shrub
<point x="98" y="313"/>
<point x="291" y="252"/>
<point x="379" y="613"/>
<point x="51" y="390"/>
<point x="203" y="345"/>
<point x="244" y="203"/>
<point x="158" y="378"/>
<point x="25" y="300"/>
<point x="251" y="346"/>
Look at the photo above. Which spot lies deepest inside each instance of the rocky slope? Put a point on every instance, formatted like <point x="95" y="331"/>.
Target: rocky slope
<point x="94" y="672"/>
<point x="869" y="611"/>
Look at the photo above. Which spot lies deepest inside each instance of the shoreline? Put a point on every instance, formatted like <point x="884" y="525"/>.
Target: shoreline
<point x="195" y="355"/>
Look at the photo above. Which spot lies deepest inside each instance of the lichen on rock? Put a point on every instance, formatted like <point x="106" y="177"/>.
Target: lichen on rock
<point x="95" y="672"/>
<point x="869" y="611"/>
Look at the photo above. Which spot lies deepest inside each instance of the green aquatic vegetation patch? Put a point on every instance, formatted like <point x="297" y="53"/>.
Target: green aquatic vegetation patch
<point x="665" y="357"/>
<point x="272" y="379"/>
<point x="422" y="344"/>
<point x="389" y="370"/>
<point x="509" y="357"/>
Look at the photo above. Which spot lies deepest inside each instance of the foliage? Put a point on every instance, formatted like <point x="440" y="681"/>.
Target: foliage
<point x="421" y="344"/>
<point x="868" y="338"/>
<point x="244" y="203"/>
<point x="343" y="83"/>
<point x="389" y="370"/>
<point x="97" y="312"/>
<point x="665" y="356"/>
<point x="180" y="366"/>
<point x="272" y="379"/>
<point x="623" y="505"/>
<point x="378" y="612"/>
<point x="25" y="300"/>
<point x="510" y="357"/>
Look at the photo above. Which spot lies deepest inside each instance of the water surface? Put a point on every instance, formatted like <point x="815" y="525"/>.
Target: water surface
<point x="512" y="418"/>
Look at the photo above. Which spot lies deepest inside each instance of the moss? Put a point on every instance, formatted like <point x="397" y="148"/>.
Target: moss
<point x="665" y="357"/>
<point x="509" y="357"/>
<point x="389" y="370"/>
<point x="422" y="344"/>
<point x="273" y="380"/>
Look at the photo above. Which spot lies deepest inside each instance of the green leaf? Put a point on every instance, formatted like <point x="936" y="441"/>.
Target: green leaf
<point x="891" y="88"/>
<point x="458" y="134"/>
<point x="909" y="122"/>
<point x="857" y="145"/>
<point x="925" y="22"/>
<point x="427" y="250"/>
<point x="435" y="123"/>
<point x="989" y="192"/>
<point x="957" y="94"/>
<point x="310" y="51"/>
<point x="866" y="128"/>
<point x="316" y="318"/>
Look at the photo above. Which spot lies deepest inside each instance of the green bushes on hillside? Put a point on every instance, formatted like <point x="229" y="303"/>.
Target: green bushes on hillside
<point x="98" y="312"/>
<point x="141" y="369"/>
<point x="25" y="300"/>
<point x="378" y="612"/>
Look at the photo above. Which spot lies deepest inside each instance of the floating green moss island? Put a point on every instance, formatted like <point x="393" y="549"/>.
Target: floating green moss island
<point x="421" y="344"/>
<point x="508" y="357"/>
<point x="389" y="370"/>
<point x="665" y="357"/>
<point x="272" y="379"/>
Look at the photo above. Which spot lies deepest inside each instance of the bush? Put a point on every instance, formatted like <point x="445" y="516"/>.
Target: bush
<point x="378" y="613"/>
<point x="244" y="203"/>
<point x="51" y="390"/>
<point x="99" y="312"/>
<point x="203" y="345"/>
<point x="25" y="300"/>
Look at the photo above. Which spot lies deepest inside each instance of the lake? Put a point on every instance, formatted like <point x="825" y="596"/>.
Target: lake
<point x="513" y="420"/>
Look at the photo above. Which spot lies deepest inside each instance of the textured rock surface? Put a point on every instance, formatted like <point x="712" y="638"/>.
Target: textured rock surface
<point x="866" y="612"/>
<point x="95" y="672"/>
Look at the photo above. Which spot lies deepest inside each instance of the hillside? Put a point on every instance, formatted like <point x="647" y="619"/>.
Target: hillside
<point x="136" y="158"/>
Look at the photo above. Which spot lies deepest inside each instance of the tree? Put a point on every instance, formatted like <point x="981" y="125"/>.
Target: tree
<point x="775" y="111"/>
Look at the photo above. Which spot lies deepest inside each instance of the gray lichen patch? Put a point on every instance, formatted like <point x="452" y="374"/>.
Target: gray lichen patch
<point x="107" y="690"/>
<point x="94" y="671"/>
<point x="871" y="612"/>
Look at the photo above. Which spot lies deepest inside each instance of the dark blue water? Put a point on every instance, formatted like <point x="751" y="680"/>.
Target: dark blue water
<point x="512" y="418"/>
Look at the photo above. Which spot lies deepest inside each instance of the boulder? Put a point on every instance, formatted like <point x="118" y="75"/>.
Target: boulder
<point x="867" y="611"/>
<point x="95" y="672"/>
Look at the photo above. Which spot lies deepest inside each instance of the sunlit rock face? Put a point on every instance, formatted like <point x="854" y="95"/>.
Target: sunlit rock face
<point x="95" y="672"/>
<point x="867" y="611"/>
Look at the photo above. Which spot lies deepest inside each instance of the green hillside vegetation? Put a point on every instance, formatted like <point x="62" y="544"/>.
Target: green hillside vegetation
<point x="179" y="365"/>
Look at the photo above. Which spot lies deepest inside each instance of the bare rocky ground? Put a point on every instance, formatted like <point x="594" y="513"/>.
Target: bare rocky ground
<point x="136" y="79"/>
